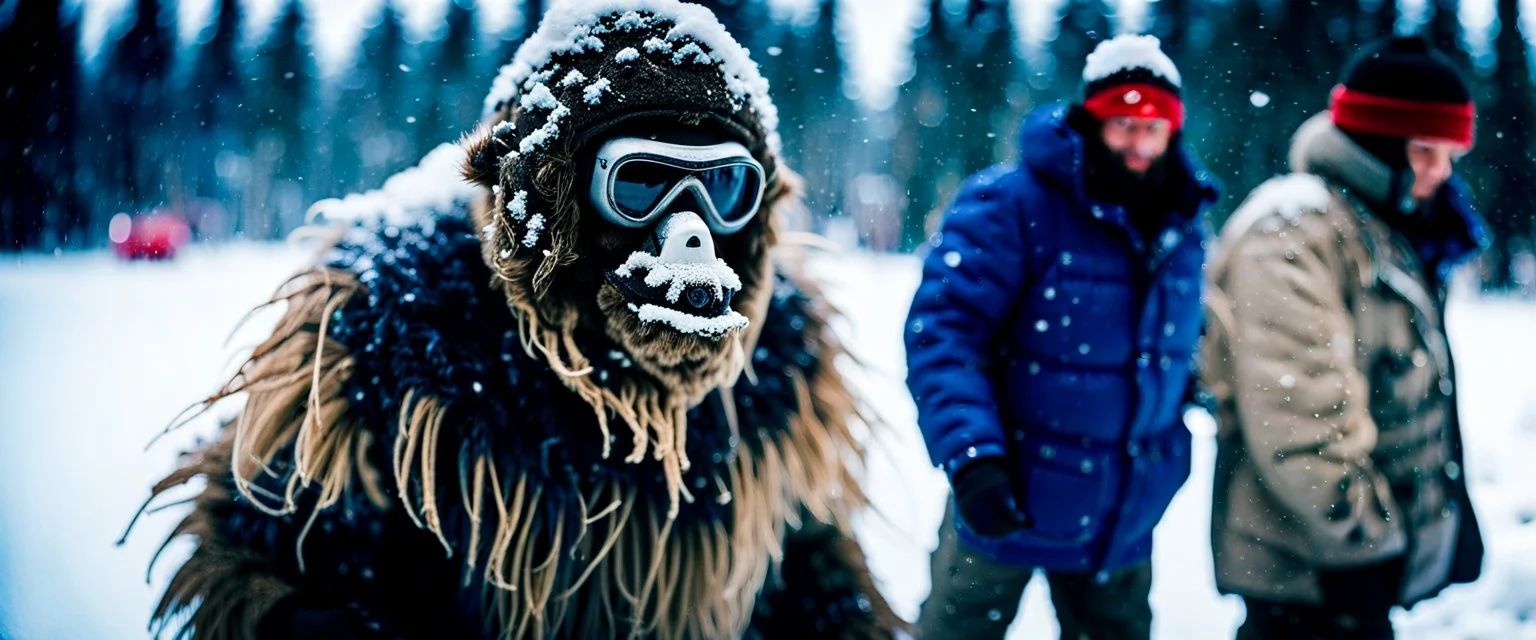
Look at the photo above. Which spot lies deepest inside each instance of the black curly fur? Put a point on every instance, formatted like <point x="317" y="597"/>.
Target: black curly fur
<point x="430" y="322"/>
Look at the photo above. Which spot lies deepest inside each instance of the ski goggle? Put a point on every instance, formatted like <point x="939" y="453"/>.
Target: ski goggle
<point x="635" y="179"/>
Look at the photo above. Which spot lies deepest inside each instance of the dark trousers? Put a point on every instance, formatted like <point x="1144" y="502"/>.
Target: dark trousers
<point x="1356" y="605"/>
<point x="974" y="597"/>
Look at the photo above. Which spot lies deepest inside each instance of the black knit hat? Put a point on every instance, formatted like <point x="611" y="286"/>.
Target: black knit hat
<point x="1406" y="68"/>
<point x="1401" y="88"/>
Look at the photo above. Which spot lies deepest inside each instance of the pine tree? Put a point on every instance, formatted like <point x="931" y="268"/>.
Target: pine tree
<point x="1084" y="25"/>
<point x="1374" y="19"/>
<point x="1504" y="149"/>
<point x="216" y="154"/>
<point x="346" y="128"/>
<point x="389" y="106"/>
<point x="38" y="206"/>
<point x="133" y="83"/>
<point x="73" y="225"/>
<point x="1444" y="29"/>
<point x="984" y="117"/>
<point x="1250" y="107"/>
<point x="452" y="79"/>
<point x="815" y="117"/>
<point x="284" y="70"/>
<point x="919" y="148"/>
<point x="963" y="101"/>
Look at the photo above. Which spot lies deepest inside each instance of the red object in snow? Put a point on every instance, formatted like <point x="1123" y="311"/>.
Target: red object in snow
<point x="153" y="237"/>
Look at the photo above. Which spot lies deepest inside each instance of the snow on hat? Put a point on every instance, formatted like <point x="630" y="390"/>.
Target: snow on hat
<point x="604" y="59"/>
<point x="1129" y="75"/>
<point x="1403" y="88"/>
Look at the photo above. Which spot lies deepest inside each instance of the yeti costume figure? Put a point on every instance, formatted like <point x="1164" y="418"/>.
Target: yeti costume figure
<point x="577" y="399"/>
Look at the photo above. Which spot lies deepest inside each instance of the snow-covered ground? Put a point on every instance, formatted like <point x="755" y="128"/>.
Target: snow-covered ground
<point x="96" y="356"/>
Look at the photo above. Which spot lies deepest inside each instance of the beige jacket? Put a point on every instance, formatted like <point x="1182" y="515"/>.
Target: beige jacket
<point x="1337" y="446"/>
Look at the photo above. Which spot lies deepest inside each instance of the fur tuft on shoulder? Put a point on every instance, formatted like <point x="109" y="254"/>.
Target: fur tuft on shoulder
<point x="293" y="426"/>
<point x="222" y="590"/>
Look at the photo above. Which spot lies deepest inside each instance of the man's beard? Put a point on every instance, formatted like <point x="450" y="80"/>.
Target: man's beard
<point x="1109" y="179"/>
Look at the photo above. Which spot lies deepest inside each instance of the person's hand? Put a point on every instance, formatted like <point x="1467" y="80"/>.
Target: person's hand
<point x="984" y="497"/>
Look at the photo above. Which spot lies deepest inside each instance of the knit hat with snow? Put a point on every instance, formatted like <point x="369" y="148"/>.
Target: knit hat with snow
<point x="1129" y="75"/>
<point x="594" y="66"/>
<point x="1401" y="88"/>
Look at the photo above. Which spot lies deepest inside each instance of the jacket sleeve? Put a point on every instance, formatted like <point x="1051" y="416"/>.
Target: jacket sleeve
<point x="971" y="279"/>
<point x="1302" y="403"/>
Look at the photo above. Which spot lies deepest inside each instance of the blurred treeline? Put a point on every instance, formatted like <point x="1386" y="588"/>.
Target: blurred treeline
<point x="243" y="127"/>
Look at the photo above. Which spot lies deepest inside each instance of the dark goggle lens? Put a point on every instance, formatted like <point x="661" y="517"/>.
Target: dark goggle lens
<point x="639" y="184"/>
<point x="733" y="190"/>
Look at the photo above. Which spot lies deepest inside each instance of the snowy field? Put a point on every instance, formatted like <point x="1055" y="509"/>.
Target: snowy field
<point x="96" y="356"/>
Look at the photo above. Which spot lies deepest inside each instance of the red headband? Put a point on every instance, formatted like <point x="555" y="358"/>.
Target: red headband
<point x="1136" y="101"/>
<point x="1380" y="115"/>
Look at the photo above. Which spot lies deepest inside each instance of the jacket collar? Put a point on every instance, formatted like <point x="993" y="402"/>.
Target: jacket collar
<point x="1321" y="149"/>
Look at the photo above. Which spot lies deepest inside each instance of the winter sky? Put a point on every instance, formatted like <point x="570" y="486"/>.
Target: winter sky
<point x="878" y="30"/>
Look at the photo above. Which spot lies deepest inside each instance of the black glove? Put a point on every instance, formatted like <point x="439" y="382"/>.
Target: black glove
<point x="984" y="496"/>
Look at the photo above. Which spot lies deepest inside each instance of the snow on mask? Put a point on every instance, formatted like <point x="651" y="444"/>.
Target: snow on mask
<point x="684" y="285"/>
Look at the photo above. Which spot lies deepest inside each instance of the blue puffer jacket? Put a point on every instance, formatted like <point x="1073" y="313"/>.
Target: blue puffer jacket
<point x="1047" y="332"/>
